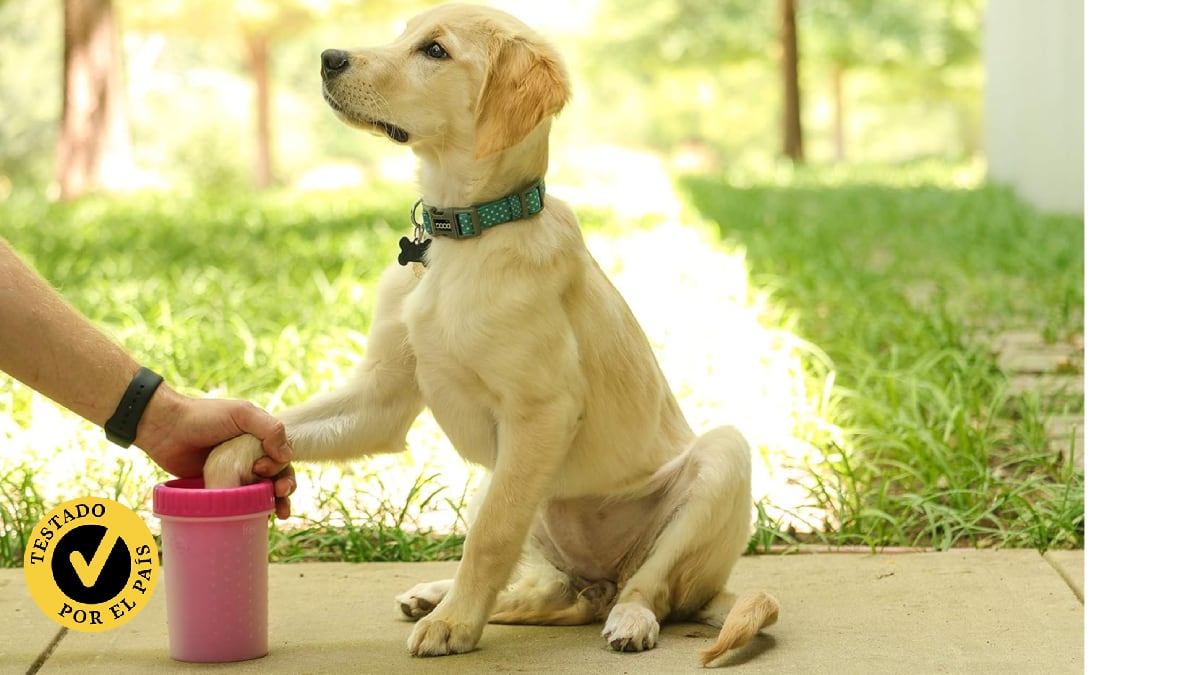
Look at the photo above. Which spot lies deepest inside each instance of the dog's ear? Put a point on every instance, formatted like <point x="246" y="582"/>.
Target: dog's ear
<point x="525" y="84"/>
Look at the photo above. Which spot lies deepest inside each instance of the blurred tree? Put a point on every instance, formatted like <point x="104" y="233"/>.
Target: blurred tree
<point x="253" y="24"/>
<point x="908" y="52"/>
<point x="915" y="40"/>
<point x="676" y="32"/>
<point x="793" y="131"/>
<point x="256" y="24"/>
<point x="675" y="35"/>
<point x="30" y="32"/>
<point x="93" y="144"/>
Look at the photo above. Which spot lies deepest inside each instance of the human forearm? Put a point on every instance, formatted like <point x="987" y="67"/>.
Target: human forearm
<point x="49" y="346"/>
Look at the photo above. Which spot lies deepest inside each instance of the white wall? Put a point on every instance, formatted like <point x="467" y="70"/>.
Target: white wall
<point x="1033" y="107"/>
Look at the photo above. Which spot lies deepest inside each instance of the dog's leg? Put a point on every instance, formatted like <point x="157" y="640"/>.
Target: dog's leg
<point x="371" y="413"/>
<point x="542" y="595"/>
<point x="531" y="447"/>
<point x="692" y="557"/>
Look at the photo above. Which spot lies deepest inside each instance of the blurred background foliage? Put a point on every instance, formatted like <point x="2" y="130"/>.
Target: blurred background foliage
<point x="845" y="310"/>
<point x="225" y="94"/>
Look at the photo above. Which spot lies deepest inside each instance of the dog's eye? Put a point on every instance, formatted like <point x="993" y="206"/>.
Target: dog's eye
<point x="435" y="50"/>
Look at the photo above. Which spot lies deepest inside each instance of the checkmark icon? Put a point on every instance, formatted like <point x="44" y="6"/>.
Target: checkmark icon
<point x="89" y="571"/>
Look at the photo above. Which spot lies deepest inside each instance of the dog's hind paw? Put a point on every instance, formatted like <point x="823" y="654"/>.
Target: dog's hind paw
<point x="420" y="600"/>
<point x="631" y="627"/>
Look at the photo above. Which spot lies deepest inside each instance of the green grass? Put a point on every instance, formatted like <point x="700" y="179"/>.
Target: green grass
<point x="21" y="506"/>
<point x="351" y="535"/>
<point x="213" y="290"/>
<point x="865" y="382"/>
<point x="265" y="297"/>
<point x="902" y="279"/>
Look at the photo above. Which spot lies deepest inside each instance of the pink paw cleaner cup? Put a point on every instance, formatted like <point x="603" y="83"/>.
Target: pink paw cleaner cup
<point x="214" y="546"/>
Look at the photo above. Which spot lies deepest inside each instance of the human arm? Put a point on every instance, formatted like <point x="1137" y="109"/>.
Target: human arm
<point x="48" y="345"/>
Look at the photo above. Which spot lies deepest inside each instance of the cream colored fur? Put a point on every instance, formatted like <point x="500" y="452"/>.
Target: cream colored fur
<point x="602" y="503"/>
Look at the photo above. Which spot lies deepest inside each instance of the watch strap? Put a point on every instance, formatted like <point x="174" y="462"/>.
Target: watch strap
<point x="121" y="428"/>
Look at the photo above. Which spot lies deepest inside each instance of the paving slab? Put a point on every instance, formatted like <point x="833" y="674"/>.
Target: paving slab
<point x="1065" y="436"/>
<point x="24" y="631"/>
<point x="1047" y="385"/>
<point x="1052" y="359"/>
<point x="1038" y="366"/>
<point x="953" y="612"/>
<point x="1070" y="565"/>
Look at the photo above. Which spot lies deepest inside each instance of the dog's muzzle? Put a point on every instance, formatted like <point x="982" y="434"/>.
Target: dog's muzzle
<point x="334" y="62"/>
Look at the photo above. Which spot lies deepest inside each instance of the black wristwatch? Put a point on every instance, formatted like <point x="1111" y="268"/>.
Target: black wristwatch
<point x="121" y="428"/>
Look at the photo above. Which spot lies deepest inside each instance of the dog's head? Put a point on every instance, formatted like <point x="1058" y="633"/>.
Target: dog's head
<point x="459" y="76"/>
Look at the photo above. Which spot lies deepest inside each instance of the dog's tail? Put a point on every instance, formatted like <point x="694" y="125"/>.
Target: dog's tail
<point x="738" y="617"/>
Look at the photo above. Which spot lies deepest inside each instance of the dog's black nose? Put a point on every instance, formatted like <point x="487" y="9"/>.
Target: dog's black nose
<point x="333" y="63"/>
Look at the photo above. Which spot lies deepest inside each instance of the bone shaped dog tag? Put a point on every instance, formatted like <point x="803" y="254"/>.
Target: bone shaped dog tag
<point x="412" y="251"/>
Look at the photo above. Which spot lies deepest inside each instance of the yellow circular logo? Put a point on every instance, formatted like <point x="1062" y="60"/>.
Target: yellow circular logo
<point x="91" y="564"/>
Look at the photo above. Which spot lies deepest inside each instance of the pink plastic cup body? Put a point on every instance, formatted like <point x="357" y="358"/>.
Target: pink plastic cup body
<point x="214" y="546"/>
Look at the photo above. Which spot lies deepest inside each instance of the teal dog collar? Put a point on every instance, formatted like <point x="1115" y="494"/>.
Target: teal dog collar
<point x="470" y="221"/>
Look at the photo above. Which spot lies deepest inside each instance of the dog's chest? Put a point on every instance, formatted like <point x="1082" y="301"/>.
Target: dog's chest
<point x="449" y="331"/>
<point x="450" y="328"/>
<point x="490" y="334"/>
<point x="480" y="316"/>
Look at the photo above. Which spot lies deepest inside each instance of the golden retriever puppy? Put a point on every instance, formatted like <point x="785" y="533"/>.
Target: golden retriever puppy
<point x="601" y="504"/>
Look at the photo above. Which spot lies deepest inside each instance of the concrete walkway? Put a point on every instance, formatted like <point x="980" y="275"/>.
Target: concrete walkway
<point x="955" y="612"/>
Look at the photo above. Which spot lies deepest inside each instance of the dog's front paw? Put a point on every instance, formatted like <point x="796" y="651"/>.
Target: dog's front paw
<point x="438" y="636"/>
<point x="231" y="463"/>
<point x="631" y="627"/>
<point x="420" y="600"/>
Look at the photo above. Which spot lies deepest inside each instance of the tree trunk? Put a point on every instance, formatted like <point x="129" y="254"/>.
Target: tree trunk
<point x="839" y="114"/>
<point x="94" y="150"/>
<point x="793" y="136"/>
<point x="258" y="56"/>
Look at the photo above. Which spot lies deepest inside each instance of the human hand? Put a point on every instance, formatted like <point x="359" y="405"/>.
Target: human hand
<point x="178" y="432"/>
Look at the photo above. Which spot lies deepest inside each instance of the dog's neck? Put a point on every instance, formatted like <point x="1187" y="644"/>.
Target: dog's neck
<point x="452" y="176"/>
